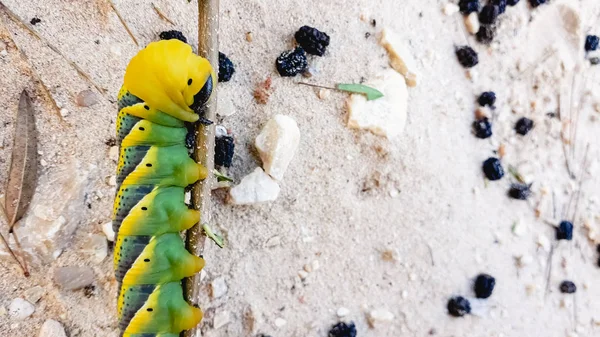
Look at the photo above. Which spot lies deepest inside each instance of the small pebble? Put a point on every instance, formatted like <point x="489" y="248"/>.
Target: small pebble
<point x="484" y="285"/>
<point x="113" y="153"/>
<point x="19" y="309"/>
<point x="482" y="128"/>
<point x="467" y="57"/>
<point x="568" y="287"/>
<point x="342" y="329"/>
<point x="342" y="312"/>
<point x="280" y="322"/>
<point x="277" y="143"/>
<point x="450" y="9"/>
<point x="472" y="23"/>
<point x="64" y="112"/>
<point x="86" y="98"/>
<point x="458" y="306"/>
<point x="107" y="229"/>
<point x="492" y="168"/>
<point x="523" y="126"/>
<point x="487" y="98"/>
<point x="379" y="316"/>
<point x="485" y="34"/>
<point x="96" y="246"/>
<point x="249" y="37"/>
<point x="594" y="60"/>
<point x="564" y="231"/>
<point x="255" y="188"/>
<point x="519" y="191"/>
<point x="591" y="42"/>
<point x="218" y="287"/>
<point x="33" y="295"/>
<point x="489" y="14"/>
<point x="469" y="6"/>
<point x="73" y="277"/>
<point x="52" y="328"/>
<point x="221" y="319"/>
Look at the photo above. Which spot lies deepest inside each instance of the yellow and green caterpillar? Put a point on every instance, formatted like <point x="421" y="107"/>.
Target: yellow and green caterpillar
<point x="166" y="86"/>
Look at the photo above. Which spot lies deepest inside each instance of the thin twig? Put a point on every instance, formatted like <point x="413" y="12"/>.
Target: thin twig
<point x="576" y="126"/>
<point x="581" y="174"/>
<point x="161" y="14"/>
<point x="30" y="29"/>
<point x="23" y="265"/>
<point x="123" y="22"/>
<point x="317" y="86"/>
<point x="549" y="271"/>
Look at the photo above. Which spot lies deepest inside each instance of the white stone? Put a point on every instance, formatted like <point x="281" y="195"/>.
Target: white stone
<point x="385" y="116"/>
<point x="255" y="188"/>
<point x="450" y="9"/>
<point x="34" y="294"/>
<point x="108" y="231"/>
<point x="112" y="181"/>
<point x="400" y="57"/>
<point x="220" y="131"/>
<point x="544" y="242"/>
<point x="279" y="322"/>
<point x="221" y="319"/>
<point x="52" y="328"/>
<point x="225" y="107"/>
<point x="218" y="287"/>
<point x="302" y="274"/>
<point x="379" y="316"/>
<point x="277" y="144"/>
<point x="20" y="309"/>
<point x="342" y="312"/>
<point x="519" y="228"/>
<point x="97" y="247"/>
<point x="113" y="153"/>
<point x="64" y="112"/>
<point x="472" y="23"/>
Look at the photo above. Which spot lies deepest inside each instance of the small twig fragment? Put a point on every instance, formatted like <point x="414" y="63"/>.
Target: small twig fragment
<point x="123" y="22"/>
<point x="161" y="14"/>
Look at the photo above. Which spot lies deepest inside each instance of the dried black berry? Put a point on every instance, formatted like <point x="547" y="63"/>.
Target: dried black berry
<point x="492" y="168"/>
<point x="594" y="60"/>
<point x="523" y="126"/>
<point x="467" y="57"/>
<point x="469" y="6"/>
<point x="487" y="98"/>
<point x="226" y="68"/>
<point x="535" y="3"/>
<point x="485" y="34"/>
<point x="459" y="306"/>
<point x="484" y="285"/>
<point x="172" y="34"/>
<point x="35" y="21"/>
<point x="591" y="42"/>
<point x="482" y="128"/>
<point x="568" y="287"/>
<point x="342" y="330"/>
<point x="489" y="14"/>
<point x="501" y="5"/>
<point x="224" y="148"/>
<point x="519" y="191"/>
<point x="564" y="231"/>
<point x="291" y="62"/>
<point x="312" y="40"/>
<point x="512" y="2"/>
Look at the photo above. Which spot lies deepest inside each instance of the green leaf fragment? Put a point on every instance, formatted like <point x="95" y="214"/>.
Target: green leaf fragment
<point x="216" y="238"/>
<point x="221" y="177"/>
<point x="371" y="93"/>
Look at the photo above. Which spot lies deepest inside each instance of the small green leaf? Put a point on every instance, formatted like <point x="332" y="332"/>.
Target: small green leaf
<point x="513" y="171"/>
<point x="221" y="177"/>
<point x="371" y="93"/>
<point x="216" y="238"/>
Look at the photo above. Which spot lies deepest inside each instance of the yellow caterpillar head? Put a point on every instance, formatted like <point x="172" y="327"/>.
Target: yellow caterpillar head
<point x="168" y="76"/>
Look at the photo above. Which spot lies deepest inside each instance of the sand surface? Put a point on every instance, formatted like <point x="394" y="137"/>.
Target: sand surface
<point x="399" y="225"/>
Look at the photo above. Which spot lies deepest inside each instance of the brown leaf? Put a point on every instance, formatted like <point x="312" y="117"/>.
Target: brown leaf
<point x="22" y="176"/>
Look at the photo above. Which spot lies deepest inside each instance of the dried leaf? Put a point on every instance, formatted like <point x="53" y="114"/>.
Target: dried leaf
<point x="22" y="176"/>
<point x="371" y="93"/>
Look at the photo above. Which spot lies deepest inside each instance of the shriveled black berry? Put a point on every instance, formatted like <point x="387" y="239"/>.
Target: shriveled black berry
<point x="487" y="98"/>
<point x="312" y="40"/>
<point x="467" y="57"/>
<point x="591" y="42"/>
<point x="523" y="126"/>
<point x="172" y="34"/>
<point x="459" y="306"/>
<point x="567" y="287"/>
<point x="519" y="191"/>
<point x="535" y="3"/>
<point x="469" y="6"/>
<point x="485" y="34"/>
<point x="501" y="5"/>
<point x="484" y="285"/>
<point x="512" y="2"/>
<point x="482" y="128"/>
<point x="492" y="168"/>
<point x="226" y="68"/>
<point x="594" y="60"/>
<point x="489" y="14"/>
<point x="224" y="149"/>
<point x="342" y="330"/>
<point x="35" y="21"/>
<point x="291" y="62"/>
<point x="564" y="231"/>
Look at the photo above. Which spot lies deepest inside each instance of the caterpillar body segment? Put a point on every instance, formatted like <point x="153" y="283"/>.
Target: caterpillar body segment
<point x="166" y="87"/>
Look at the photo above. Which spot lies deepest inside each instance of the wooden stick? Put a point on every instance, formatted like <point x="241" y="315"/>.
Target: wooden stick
<point x="123" y="22"/>
<point x="208" y="47"/>
<point x="161" y="14"/>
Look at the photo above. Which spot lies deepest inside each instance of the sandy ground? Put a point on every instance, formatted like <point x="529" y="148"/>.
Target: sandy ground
<point x="349" y="196"/>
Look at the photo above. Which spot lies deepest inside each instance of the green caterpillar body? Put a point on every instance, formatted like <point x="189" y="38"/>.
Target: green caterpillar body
<point x="165" y="86"/>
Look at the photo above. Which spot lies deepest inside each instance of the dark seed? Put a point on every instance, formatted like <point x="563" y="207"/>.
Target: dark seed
<point x="459" y="306"/>
<point x="523" y="126"/>
<point x="343" y="330"/>
<point x="291" y="62"/>
<point x="482" y="128"/>
<point x="485" y="34"/>
<point x="35" y="21"/>
<point x="512" y="2"/>
<point x="568" y="287"/>
<point x="484" y="285"/>
<point x="312" y="40"/>
<point x="224" y="149"/>
<point x="492" y="168"/>
<point x="172" y="34"/>
<point x="591" y="42"/>
<point x="469" y="6"/>
<point x="564" y="231"/>
<point x="467" y="57"/>
<point x="489" y="14"/>
<point x="226" y="68"/>
<point x="519" y="191"/>
<point x="535" y="3"/>
<point x="487" y="98"/>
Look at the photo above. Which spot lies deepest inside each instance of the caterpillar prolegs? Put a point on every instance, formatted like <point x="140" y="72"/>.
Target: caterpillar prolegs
<point x="166" y="86"/>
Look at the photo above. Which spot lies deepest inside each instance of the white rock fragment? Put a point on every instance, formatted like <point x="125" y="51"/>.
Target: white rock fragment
<point x="302" y="274"/>
<point x="450" y="9"/>
<point x="221" y="319"/>
<point x="20" y="309"/>
<point x="277" y="144"/>
<point x="64" y="112"/>
<point x="86" y="98"/>
<point x="52" y="328"/>
<point x="280" y="322"/>
<point x="519" y="228"/>
<point x="220" y="131"/>
<point x="97" y="247"/>
<point x="218" y="287"/>
<point x="342" y="312"/>
<point x="34" y="294"/>
<point x="543" y="242"/>
<point x="379" y="316"/>
<point x="255" y="188"/>
<point x="385" y="116"/>
<point x="113" y="153"/>
<point x="225" y="106"/>
<point x="400" y="57"/>
<point x="472" y="23"/>
<point x="107" y="229"/>
<point x="112" y="181"/>
<point x="73" y="277"/>
<point x="273" y="242"/>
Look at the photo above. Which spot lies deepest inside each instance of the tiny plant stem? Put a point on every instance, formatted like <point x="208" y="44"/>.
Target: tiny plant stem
<point x="318" y="86"/>
<point x="123" y="22"/>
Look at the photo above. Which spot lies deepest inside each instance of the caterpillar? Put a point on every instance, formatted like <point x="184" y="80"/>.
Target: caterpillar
<point x="165" y="89"/>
